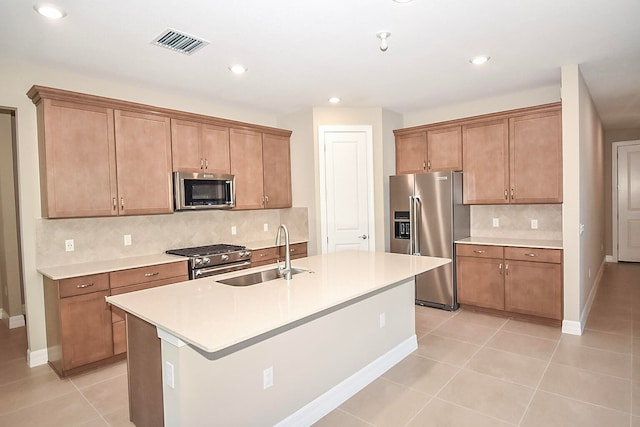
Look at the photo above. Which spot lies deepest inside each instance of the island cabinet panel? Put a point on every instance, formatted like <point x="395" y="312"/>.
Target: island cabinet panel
<point x="77" y="159"/>
<point x="199" y="147"/>
<point x="143" y="155"/>
<point x="245" y="149"/>
<point x="485" y="148"/>
<point x="517" y="280"/>
<point x="79" y="332"/>
<point x="277" y="171"/>
<point x="535" y="153"/>
<point x="411" y="153"/>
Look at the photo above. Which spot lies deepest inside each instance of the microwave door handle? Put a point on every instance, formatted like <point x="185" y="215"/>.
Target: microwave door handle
<point x="417" y="214"/>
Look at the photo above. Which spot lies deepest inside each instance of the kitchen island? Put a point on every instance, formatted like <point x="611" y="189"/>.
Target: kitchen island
<point x="276" y="353"/>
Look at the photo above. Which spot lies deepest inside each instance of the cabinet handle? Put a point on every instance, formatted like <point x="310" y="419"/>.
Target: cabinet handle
<point x="206" y="163"/>
<point x="429" y="165"/>
<point x="122" y="203"/>
<point x="424" y="165"/>
<point x="500" y="268"/>
<point x="201" y="163"/>
<point x="506" y="195"/>
<point x="512" y="194"/>
<point x="531" y="254"/>
<point x="476" y="251"/>
<point x="115" y="205"/>
<point x="84" y="285"/>
<point x="266" y="200"/>
<point x="151" y="274"/>
<point x="291" y="250"/>
<point x="506" y="269"/>
<point x="263" y="254"/>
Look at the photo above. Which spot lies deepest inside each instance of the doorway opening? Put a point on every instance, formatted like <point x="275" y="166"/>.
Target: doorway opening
<point x="625" y="178"/>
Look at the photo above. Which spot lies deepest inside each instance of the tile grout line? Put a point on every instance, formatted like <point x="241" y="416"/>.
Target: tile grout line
<point x="90" y="404"/>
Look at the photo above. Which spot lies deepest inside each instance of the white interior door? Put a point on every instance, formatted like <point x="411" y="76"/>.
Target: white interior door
<point x="347" y="188"/>
<point x="629" y="203"/>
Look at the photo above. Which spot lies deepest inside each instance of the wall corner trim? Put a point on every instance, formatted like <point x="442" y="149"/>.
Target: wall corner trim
<point x="37" y="357"/>
<point x="572" y="327"/>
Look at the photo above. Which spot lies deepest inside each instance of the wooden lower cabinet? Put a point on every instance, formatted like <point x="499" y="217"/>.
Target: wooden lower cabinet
<point x="79" y="330"/>
<point x="84" y="331"/>
<point x="525" y="281"/>
<point x="271" y="254"/>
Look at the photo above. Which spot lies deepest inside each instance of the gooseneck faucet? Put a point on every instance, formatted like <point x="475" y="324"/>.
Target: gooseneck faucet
<point x="285" y="271"/>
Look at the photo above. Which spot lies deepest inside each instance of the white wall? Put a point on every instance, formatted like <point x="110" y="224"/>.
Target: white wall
<point x="15" y="80"/>
<point x="583" y="198"/>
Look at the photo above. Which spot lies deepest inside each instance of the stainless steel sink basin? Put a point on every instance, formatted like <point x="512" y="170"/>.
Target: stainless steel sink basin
<point x="258" y="277"/>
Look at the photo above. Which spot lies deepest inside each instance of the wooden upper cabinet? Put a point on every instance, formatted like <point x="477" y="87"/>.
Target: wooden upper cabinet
<point x="276" y="159"/>
<point x="245" y="148"/>
<point x="485" y="148"/>
<point x="411" y="153"/>
<point x="444" y="149"/>
<point x="143" y="155"/>
<point x="535" y="152"/>
<point x="199" y="147"/>
<point x="77" y="159"/>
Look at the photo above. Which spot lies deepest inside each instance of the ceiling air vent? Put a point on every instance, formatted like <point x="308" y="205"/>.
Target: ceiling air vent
<point x="180" y="42"/>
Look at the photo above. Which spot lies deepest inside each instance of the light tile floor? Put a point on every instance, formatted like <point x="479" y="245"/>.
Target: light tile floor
<point x="469" y="370"/>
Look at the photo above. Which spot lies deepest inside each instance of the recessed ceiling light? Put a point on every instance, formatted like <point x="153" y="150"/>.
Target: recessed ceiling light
<point x="238" y="69"/>
<point x="479" y="60"/>
<point x="334" y="100"/>
<point x="50" y="11"/>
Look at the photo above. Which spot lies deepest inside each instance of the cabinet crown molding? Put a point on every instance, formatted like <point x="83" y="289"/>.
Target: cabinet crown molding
<point x="38" y="93"/>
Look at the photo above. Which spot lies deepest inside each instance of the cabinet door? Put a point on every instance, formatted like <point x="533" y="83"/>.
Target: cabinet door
<point x="85" y="322"/>
<point x="444" y="149"/>
<point x="245" y="149"/>
<point x="411" y="153"/>
<point x="534" y="288"/>
<point x="485" y="150"/>
<point x="536" y="158"/>
<point x="77" y="160"/>
<point x="214" y="147"/>
<point x="277" y="171"/>
<point x="143" y="154"/>
<point x="480" y="282"/>
<point x="185" y="146"/>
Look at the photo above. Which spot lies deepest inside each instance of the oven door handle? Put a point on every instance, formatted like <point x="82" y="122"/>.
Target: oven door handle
<point x="210" y="271"/>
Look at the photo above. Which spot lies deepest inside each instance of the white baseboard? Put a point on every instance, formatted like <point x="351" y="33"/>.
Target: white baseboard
<point x="576" y="328"/>
<point x="609" y="258"/>
<point x="571" y="327"/>
<point x="321" y="406"/>
<point x="37" y="358"/>
<point x="16" y="321"/>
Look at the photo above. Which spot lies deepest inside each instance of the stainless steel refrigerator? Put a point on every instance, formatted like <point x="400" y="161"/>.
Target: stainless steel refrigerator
<point x="427" y="216"/>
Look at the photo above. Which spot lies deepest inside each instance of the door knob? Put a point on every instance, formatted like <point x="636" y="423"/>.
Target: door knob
<point x="363" y="237"/>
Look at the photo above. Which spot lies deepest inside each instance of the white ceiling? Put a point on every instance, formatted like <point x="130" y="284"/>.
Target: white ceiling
<point x="301" y="52"/>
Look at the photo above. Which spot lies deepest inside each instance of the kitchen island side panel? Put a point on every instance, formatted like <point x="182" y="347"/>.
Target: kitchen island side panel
<point x="307" y="362"/>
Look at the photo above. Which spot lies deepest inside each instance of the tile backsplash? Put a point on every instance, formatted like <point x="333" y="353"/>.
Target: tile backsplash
<point x="515" y="221"/>
<point x="97" y="239"/>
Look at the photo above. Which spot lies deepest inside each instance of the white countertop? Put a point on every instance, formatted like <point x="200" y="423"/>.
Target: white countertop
<point x="84" y="269"/>
<point x="500" y="241"/>
<point x="213" y="317"/>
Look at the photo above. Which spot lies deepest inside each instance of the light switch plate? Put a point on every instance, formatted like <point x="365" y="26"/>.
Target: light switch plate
<point x="496" y="222"/>
<point x="266" y="227"/>
<point x="234" y="230"/>
<point x="267" y="378"/>
<point x="534" y="224"/>
<point x="168" y="375"/>
<point x="127" y="239"/>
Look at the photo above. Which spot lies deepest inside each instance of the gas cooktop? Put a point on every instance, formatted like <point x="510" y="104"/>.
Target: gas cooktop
<point x="206" y="250"/>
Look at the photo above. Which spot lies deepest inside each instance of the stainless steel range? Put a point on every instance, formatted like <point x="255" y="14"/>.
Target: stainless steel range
<point x="210" y="260"/>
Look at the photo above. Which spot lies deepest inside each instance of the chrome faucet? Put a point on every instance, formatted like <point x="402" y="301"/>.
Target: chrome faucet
<point x="286" y="270"/>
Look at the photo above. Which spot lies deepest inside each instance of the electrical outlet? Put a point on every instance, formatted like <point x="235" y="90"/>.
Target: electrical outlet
<point x="266" y="227"/>
<point x="267" y="378"/>
<point x="234" y="230"/>
<point x="127" y="239"/>
<point x="534" y="224"/>
<point x="496" y="222"/>
<point x="69" y="245"/>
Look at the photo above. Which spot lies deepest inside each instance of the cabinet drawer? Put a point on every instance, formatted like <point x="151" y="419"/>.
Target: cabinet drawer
<point x="265" y="254"/>
<point x="84" y="285"/>
<point x="117" y="314"/>
<point x="534" y="254"/>
<point x="147" y="274"/>
<point x="297" y="250"/>
<point x="479" y="251"/>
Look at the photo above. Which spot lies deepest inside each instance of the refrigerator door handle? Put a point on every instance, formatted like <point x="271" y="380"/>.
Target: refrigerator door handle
<point x="415" y="230"/>
<point x="411" y="227"/>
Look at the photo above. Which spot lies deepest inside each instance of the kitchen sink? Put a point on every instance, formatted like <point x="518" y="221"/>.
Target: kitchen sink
<point x="258" y="277"/>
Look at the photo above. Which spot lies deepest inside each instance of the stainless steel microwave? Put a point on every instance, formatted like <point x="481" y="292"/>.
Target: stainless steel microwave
<point x="203" y="191"/>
